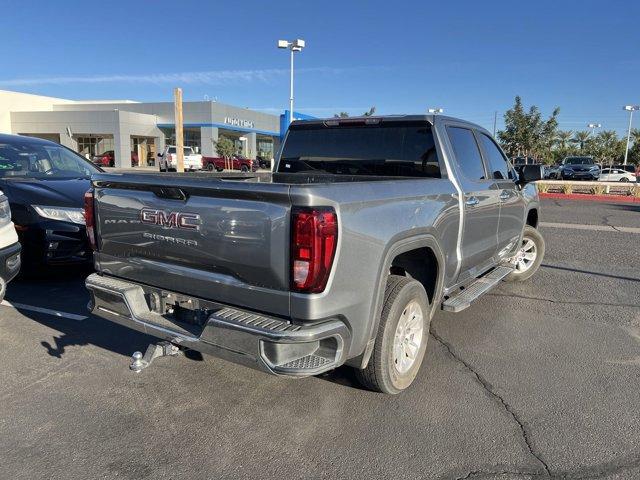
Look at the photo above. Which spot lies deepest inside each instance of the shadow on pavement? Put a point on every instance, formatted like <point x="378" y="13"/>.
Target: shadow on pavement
<point x="626" y="207"/>
<point x="589" y="272"/>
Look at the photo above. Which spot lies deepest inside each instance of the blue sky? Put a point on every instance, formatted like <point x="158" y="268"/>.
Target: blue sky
<point x="469" y="57"/>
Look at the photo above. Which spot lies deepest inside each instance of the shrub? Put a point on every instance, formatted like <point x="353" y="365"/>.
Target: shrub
<point x="543" y="187"/>
<point x="567" y="188"/>
<point x="597" y="190"/>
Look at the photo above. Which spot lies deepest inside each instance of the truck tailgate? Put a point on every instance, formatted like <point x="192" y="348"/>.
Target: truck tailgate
<point x="224" y="241"/>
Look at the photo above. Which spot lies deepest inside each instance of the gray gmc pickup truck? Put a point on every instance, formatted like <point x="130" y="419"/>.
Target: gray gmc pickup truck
<point x="341" y="256"/>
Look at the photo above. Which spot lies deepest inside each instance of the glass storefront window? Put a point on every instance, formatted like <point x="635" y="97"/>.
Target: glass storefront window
<point x="265" y="148"/>
<point x="192" y="137"/>
<point x="94" y="145"/>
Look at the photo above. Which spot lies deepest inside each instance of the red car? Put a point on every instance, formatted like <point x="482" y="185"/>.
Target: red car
<point x="236" y="163"/>
<point x="107" y="159"/>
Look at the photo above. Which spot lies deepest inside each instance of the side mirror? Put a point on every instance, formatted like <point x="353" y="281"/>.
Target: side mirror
<point x="529" y="173"/>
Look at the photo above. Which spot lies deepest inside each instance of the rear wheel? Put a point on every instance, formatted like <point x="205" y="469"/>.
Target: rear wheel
<point x="211" y="167"/>
<point x="244" y="168"/>
<point x="402" y="337"/>
<point x="529" y="257"/>
<point x="624" y="179"/>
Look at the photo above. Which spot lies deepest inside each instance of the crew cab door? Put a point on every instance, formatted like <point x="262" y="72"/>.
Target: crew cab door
<point x="481" y="203"/>
<point x="512" y="204"/>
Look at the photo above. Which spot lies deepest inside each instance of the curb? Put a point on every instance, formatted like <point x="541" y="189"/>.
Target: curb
<point x="590" y="197"/>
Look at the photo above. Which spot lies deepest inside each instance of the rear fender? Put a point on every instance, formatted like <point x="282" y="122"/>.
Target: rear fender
<point x="395" y="249"/>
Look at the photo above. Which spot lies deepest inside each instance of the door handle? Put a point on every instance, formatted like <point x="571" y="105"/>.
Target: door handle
<point x="504" y="195"/>
<point x="471" y="202"/>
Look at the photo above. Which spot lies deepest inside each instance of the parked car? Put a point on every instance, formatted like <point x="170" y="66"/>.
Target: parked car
<point x="168" y="160"/>
<point x="236" y="163"/>
<point x="263" y="162"/>
<point x="579" y="168"/>
<point x="9" y="246"/>
<point x="551" y="171"/>
<point x="516" y="161"/>
<point x="616" y="175"/>
<point x="108" y="159"/>
<point x="627" y="168"/>
<point x="368" y="226"/>
<point x="45" y="184"/>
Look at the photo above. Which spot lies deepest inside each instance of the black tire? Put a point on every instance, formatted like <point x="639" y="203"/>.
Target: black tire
<point x="381" y="373"/>
<point x="244" y="168"/>
<point x="532" y="234"/>
<point x="162" y="169"/>
<point x="219" y="170"/>
<point x="211" y="167"/>
<point x="624" y="179"/>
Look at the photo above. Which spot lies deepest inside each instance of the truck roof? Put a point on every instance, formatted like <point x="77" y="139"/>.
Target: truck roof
<point x="386" y="119"/>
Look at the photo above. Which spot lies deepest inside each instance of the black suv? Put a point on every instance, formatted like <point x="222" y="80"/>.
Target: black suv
<point x="579" y="168"/>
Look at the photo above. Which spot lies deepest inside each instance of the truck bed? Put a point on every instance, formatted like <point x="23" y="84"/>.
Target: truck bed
<point x="240" y="255"/>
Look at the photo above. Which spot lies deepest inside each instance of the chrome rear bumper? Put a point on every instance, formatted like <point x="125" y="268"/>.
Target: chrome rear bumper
<point x="267" y="343"/>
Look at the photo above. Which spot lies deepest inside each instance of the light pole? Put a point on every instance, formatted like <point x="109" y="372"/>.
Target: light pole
<point x="593" y="127"/>
<point x="295" y="46"/>
<point x="436" y="111"/>
<point x="630" y="109"/>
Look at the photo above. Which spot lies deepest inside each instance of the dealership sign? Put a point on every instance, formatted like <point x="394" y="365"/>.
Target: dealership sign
<point x="238" y="122"/>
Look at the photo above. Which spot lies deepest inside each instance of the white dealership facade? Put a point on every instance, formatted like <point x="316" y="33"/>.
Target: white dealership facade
<point x="94" y="127"/>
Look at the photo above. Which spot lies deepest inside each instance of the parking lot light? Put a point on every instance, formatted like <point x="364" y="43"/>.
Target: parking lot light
<point x="630" y="109"/>
<point x="294" y="46"/>
<point x="593" y="127"/>
<point x="436" y="111"/>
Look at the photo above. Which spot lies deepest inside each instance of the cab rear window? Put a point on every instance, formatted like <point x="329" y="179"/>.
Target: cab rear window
<point x="395" y="149"/>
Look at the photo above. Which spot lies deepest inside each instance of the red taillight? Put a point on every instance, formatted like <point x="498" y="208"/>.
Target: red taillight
<point x="90" y="218"/>
<point x="313" y="246"/>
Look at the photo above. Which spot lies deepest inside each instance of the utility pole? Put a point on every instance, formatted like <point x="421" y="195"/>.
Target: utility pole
<point x="177" y="100"/>
<point x="495" y="120"/>
<point x="630" y="109"/>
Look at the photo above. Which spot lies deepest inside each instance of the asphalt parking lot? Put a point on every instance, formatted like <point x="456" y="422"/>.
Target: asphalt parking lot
<point x="537" y="380"/>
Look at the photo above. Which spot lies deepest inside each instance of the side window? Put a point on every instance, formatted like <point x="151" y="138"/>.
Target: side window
<point x="498" y="166"/>
<point x="467" y="152"/>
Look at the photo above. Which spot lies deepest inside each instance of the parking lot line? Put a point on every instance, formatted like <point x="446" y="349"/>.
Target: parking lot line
<point x="55" y="313"/>
<point x="599" y="228"/>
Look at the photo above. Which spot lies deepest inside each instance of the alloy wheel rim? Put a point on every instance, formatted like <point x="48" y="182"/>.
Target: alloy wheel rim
<point x="408" y="337"/>
<point x="526" y="256"/>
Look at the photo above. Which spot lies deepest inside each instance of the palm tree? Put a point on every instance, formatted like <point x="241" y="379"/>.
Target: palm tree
<point x="635" y="136"/>
<point x="563" y="137"/>
<point x="607" y="146"/>
<point x="580" y="138"/>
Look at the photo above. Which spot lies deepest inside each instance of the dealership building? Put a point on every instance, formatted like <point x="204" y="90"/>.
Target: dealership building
<point x="124" y="127"/>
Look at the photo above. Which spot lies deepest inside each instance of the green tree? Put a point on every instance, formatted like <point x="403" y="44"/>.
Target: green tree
<point x="606" y="147"/>
<point x="634" y="147"/>
<point x="526" y="133"/>
<point x="226" y="149"/>
<point x="563" y="137"/>
<point x="369" y="112"/>
<point x="580" y="138"/>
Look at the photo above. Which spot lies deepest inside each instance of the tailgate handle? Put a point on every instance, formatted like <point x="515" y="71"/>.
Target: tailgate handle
<point x="171" y="193"/>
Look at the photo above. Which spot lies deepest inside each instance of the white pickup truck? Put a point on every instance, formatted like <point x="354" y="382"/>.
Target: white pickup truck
<point x="168" y="160"/>
<point x="9" y="246"/>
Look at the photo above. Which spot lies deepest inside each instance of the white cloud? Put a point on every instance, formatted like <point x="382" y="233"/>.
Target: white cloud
<point x="216" y="77"/>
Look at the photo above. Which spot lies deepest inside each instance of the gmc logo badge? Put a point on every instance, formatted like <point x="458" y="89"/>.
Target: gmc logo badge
<point x="185" y="221"/>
